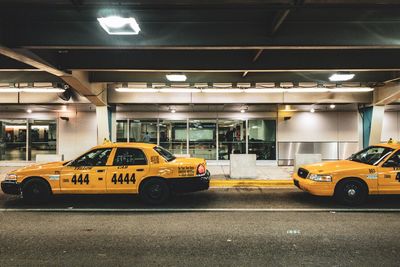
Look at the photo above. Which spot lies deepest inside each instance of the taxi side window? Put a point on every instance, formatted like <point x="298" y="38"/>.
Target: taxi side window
<point x="393" y="161"/>
<point x="97" y="157"/>
<point x="129" y="156"/>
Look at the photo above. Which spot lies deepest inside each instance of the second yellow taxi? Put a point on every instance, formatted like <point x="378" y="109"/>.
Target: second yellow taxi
<point x="374" y="170"/>
<point x="112" y="168"/>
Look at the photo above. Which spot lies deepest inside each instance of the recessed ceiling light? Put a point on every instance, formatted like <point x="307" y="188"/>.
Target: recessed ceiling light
<point x="312" y="110"/>
<point x="176" y="77"/>
<point x="116" y="25"/>
<point x="332" y="106"/>
<point x="29" y="110"/>
<point x="340" y="77"/>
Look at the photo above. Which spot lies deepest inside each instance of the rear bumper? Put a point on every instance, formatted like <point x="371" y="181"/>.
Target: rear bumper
<point x="189" y="184"/>
<point x="11" y="187"/>
<point x="314" y="188"/>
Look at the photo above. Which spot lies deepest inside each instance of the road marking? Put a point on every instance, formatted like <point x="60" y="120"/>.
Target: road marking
<point x="197" y="210"/>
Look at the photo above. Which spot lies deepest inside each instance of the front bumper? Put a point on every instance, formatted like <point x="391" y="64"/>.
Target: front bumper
<point x="314" y="188"/>
<point x="10" y="187"/>
<point x="189" y="184"/>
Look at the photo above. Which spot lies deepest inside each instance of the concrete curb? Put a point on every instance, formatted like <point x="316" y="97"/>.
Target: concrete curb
<point x="243" y="183"/>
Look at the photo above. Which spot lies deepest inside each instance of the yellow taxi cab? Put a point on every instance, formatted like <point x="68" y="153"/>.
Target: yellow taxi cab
<point x="374" y="170"/>
<point x="112" y="168"/>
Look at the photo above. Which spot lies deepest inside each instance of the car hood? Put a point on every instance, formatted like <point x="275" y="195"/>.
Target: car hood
<point x="334" y="166"/>
<point x="41" y="166"/>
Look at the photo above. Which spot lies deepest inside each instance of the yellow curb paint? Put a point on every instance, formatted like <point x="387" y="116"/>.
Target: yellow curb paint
<point x="251" y="183"/>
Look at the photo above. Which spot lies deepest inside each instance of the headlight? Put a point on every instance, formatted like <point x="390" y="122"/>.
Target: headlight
<point x="320" y="177"/>
<point x="12" y="177"/>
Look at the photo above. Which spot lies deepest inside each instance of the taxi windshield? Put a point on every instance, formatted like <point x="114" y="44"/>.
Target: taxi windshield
<point x="371" y="155"/>
<point x="168" y="156"/>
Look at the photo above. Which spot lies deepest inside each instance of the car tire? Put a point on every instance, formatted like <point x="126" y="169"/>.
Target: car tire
<point x="36" y="191"/>
<point x="154" y="191"/>
<point x="351" y="192"/>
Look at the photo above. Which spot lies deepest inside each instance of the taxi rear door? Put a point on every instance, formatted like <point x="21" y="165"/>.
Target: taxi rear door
<point x="86" y="174"/>
<point x="129" y="166"/>
<point x="389" y="175"/>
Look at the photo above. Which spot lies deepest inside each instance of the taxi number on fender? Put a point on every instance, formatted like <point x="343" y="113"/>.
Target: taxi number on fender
<point x="123" y="178"/>
<point x="80" y="179"/>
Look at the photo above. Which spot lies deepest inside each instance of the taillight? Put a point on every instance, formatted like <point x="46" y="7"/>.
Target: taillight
<point x="201" y="169"/>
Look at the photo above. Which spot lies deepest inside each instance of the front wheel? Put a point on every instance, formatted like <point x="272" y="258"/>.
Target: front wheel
<point x="351" y="192"/>
<point x="154" y="191"/>
<point x="36" y="191"/>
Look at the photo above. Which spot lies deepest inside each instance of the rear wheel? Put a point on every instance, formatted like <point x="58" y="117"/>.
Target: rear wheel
<point x="351" y="192"/>
<point x="154" y="191"/>
<point x="36" y="191"/>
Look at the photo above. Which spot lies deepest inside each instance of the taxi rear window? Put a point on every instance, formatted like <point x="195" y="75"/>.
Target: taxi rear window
<point x="168" y="156"/>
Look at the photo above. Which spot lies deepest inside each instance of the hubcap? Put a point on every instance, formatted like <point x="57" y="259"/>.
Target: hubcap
<point x="351" y="192"/>
<point x="155" y="191"/>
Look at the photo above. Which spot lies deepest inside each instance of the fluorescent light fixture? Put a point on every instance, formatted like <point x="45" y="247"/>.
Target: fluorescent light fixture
<point x="340" y="77"/>
<point x="228" y="90"/>
<point x="351" y="89"/>
<point x="264" y="90"/>
<point x="180" y="90"/>
<point x="176" y="77"/>
<point x="32" y="90"/>
<point x="136" y="90"/>
<point x="42" y="90"/>
<point x="307" y="90"/>
<point x="116" y="25"/>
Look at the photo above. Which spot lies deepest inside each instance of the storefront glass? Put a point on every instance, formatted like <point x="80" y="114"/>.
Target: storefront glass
<point x="122" y="131"/>
<point x="232" y="138"/>
<point x="13" y="140"/>
<point x="143" y="131"/>
<point x="43" y="138"/>
<point x="173" y="135"/>
<point x="262" y="137"/>
<point x="202" y="138"/>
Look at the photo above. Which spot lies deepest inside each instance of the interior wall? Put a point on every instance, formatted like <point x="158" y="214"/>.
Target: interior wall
<point x="319" y="127"/>
<point x="391" y="126"/>
<point x="77" y="135"/>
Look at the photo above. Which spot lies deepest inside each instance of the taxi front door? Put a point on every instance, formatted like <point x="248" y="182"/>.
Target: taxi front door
<point x="87" y="174"/>
<point x="389" y="175"/>
<point x="129" y="167"/>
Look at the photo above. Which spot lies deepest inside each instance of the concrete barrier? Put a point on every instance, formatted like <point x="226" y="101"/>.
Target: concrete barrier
<point x="301" y="159"/>
<point x="40" y="158"/>
<point x="243" y="166"/>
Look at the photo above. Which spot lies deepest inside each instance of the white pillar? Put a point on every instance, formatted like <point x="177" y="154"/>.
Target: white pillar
<point x="103" y="128"/>
<point x="376" y="125"/>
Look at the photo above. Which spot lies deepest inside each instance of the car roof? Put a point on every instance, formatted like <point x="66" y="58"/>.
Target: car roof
<point x="390" y="145"/>
<point x="126" y="144"/>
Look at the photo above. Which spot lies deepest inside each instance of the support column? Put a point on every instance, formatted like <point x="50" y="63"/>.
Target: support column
<point x="371" y="125"/>
<point x="103" y="125"/>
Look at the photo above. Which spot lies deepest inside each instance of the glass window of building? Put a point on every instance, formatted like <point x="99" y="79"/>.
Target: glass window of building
<point x="262" y="137"/>
<point x="231" y="137"/>
<point x="43" y="138"/>
<point x="202" y="139"/>
<point x="122" y="131"/>
<point x="12" y="140"/>
<point x="143" y="131"/>
<point x="173" y="136"/>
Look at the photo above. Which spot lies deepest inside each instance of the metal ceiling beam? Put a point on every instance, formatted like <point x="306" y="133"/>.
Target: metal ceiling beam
<point x="229" y="61"/>
<point x="387" y="94"/>
<point x="207" y="35"/>
<point x="77" y="80"/>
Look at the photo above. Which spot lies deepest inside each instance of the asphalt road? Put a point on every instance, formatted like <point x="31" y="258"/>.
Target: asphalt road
<point x="239" y="198"/>
<point x="200" y="238"/>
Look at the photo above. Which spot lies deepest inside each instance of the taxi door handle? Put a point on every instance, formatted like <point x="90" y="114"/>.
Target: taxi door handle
<point x="100" y="170"/>
<point x="139" y="170"/>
